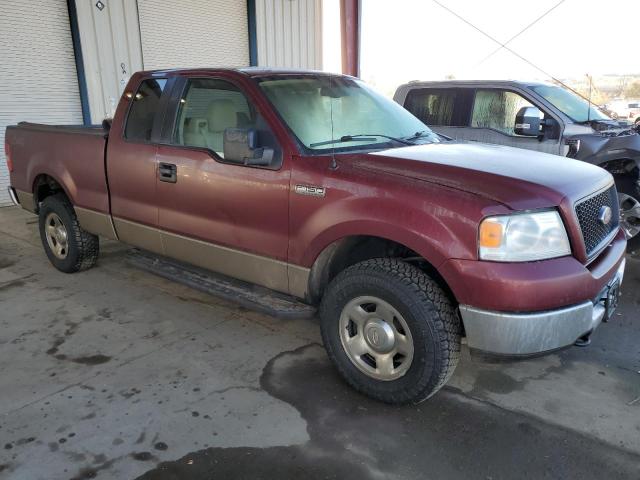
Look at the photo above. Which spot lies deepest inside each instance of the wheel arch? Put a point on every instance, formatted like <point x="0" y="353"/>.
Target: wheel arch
<point x="622" y="166"/>
<point x="349" y="250"/>
<point x="44" y="185"/>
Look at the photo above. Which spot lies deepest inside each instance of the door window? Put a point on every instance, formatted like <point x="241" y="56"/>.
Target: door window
<point x="210" y="106"/>
<point x="144" y="108"/>
<point x="497" y="109"/>
<point x="432" y="106"/>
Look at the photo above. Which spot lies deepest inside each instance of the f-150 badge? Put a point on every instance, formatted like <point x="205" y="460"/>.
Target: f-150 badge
<point x="310" y="190"/>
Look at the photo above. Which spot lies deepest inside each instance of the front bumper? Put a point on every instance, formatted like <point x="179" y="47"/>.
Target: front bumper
<point x="513" y="334"/>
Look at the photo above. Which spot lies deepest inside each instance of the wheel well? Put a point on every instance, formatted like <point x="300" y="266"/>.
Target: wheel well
<point x="44" y="186"/>
<point x="621" y="166"/>
<point x="351" y="250"/>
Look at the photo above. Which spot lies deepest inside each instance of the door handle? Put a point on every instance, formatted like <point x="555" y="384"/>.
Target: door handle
<point x="167" y="172"/>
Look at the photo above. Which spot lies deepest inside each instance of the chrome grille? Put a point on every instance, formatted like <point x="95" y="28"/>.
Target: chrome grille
<point x="594" y="231"/>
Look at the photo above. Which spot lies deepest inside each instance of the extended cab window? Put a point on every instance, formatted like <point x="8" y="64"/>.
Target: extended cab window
<point x="143" y="111"/>
<point x="432" y="106"/>
<point x="497" y="109"/>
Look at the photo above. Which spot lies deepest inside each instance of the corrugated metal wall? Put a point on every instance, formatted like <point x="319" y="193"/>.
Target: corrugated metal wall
<point x="110" y="38"/>
<point x="194" y="33"/>
<point x="289" y="33"/>
<point x="38" y="79"/>
<point x="36" y="39"/>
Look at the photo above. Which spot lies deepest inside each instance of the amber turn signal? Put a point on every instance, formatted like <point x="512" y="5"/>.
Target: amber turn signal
<point x="490" y="234"/>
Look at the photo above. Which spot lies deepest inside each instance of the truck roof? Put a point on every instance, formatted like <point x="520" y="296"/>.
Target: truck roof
<point x="465" y="83"/>
<point x="248" y="71"/>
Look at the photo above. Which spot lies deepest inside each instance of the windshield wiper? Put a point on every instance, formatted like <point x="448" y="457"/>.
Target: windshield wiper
<point x="417" y="135"/>
<point x="361" y="137"/>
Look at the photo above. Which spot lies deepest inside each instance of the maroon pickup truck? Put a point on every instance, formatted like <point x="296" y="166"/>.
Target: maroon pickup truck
<point x="315" y="186"/>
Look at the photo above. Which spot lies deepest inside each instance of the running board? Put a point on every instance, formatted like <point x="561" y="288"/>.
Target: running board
<point x="251" y="296"/>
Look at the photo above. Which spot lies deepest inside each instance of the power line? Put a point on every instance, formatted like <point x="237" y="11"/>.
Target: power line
<point x="528" y="62"/>
<point x="519" y="33"/>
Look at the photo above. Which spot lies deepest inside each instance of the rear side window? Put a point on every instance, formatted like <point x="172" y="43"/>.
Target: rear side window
<point x="432" y="106"/>
<point x="143" y="111"/>
<point x="497" y="109"/>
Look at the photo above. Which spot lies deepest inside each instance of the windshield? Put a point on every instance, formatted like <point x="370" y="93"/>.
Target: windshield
<point x="341" y="113"/>
<point x="570" y="104"/>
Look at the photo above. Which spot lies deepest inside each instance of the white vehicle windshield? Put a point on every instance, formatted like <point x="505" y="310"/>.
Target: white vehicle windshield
<point x="569" y="103"/>
<point x="340" y="113"/>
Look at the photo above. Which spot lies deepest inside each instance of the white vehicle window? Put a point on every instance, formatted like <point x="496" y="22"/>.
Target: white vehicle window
<point x="432" y="106"/>
<point x="497" y="109"/>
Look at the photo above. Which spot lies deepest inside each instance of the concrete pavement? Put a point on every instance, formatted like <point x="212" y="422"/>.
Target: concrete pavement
<point x="115" y="373"/>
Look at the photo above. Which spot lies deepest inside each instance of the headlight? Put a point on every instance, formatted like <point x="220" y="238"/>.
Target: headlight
<point x="523" y="237"/>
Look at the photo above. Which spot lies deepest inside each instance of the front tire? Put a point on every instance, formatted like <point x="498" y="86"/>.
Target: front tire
<point x="69" y="248"/>
<point x="390" y="330"/>
<point x="628" y="187"/>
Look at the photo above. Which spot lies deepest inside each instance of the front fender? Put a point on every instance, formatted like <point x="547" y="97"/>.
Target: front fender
<point x="437" y="228"/>
<point x="601" y="150"/>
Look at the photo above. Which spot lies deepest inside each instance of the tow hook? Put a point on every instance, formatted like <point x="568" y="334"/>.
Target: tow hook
<point x="585" y="340"/>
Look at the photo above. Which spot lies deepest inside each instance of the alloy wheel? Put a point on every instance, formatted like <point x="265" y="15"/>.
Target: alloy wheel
<point x="376" y="338"/>
<point x="56" y="234"/>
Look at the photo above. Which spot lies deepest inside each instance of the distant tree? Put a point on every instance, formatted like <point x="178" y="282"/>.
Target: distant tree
<point x="632" y="90"/>
<point x="450" y="76"/>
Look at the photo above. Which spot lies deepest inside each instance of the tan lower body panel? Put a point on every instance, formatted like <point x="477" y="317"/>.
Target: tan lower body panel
<point x="298" y="280"/>
<point x="96" y="223"/>
<point x="138" y="235"/>
<point x="267" y="272"/>
<point x="26" y="200"/>
<point x="245" y="266"/>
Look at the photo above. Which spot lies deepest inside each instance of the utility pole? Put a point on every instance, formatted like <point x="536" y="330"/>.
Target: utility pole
<point x="589" y="110"/>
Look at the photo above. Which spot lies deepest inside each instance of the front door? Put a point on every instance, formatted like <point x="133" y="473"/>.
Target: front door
<point x="492" y="120"/>
<point x="215" y="213"/>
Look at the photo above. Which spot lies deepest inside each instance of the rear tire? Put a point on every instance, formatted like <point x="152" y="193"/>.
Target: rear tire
<point x="69" y="248"/>
<point x="397" y="299"/>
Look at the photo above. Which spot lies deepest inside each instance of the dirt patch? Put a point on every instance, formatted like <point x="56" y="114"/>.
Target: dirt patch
<point x="91" y="359"/>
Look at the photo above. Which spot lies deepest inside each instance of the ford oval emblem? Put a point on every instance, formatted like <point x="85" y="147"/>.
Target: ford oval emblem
<point x="604" y="216"/>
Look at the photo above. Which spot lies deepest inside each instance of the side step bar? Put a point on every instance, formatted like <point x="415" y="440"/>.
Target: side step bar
<point x="251" y="296"/>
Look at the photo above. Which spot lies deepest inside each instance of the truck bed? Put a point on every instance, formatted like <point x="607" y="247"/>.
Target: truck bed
<point x="74" y="129"/>
<point x="72" y="155"/>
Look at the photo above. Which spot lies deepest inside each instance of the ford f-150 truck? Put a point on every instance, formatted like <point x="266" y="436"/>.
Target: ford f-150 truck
<point x="315" y="186"/>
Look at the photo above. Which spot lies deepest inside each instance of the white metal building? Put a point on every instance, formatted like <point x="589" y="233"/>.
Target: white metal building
<point x="67" y="61"/>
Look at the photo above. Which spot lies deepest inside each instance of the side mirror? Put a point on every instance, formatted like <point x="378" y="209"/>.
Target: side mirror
<point x="528" y="122"/>
<point x="240" y="145"/>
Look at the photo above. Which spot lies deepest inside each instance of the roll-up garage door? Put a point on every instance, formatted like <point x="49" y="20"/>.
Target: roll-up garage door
<point x="194" y="33"/>
<point x="38" y="81"/>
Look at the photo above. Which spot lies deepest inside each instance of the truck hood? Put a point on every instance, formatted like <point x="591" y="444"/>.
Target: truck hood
<point x="520" y="179"/>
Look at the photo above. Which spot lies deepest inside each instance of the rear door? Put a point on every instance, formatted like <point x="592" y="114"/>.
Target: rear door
<point x="214" y="213"/>
<point x="132" y="165"/>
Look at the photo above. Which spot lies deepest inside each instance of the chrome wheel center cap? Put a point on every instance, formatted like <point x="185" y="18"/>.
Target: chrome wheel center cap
<point x="379" y="335"/>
